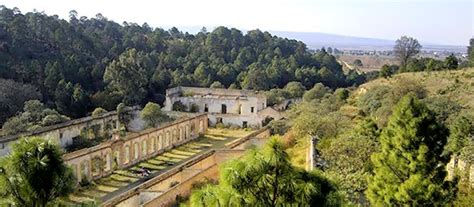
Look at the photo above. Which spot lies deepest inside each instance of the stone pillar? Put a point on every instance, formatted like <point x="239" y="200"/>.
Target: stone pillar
<point x="471" y="174"/>
<point x="310" y="155"/>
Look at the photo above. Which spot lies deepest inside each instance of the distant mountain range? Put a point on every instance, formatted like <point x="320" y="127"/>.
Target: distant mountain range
<point x="316" y="40"/>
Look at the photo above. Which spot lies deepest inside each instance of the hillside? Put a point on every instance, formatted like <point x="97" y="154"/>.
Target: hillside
<point x="82" y="63"/>
<point x="456" y="85"/>
<point x="347" y="122"/>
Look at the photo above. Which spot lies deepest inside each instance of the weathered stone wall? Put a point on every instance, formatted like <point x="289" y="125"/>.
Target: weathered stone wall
<point x="119" y="153"/>
<point x="184" y="188"/>
<point x="466" y="169"/>
<point x="230" y="107"/>
<point x="252" y="121"/>
<point x="64" y="133"/>
<point x="233" y="105"/>
<point x="180" y="90"/>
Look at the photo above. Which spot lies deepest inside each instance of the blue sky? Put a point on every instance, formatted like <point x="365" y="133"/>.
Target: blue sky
<point x="435" y="21"/>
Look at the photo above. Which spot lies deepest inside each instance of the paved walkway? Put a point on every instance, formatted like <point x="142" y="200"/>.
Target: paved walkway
<point x="121" y="181"/>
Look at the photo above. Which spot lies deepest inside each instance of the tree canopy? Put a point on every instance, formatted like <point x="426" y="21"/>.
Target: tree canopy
<point x="406" y="48"/>
<point x="83" y="63"/>
<point x="33" y="116"/>
<point x="152" y="114"/>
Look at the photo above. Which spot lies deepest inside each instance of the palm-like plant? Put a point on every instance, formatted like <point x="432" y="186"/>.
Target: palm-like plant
<point x="34" y="174"/>
<point x="266" y="178"/>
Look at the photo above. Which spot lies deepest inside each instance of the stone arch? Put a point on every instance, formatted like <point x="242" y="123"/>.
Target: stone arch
<point x="175" y="135"/>
<point x="136" y="151"/>
<point x="152" y="144"/>
<point x="108" y="161"/>
<point x="193" y="128"/>
<point x="85" y="174"/>
<point x="144" y="148"/>
<point x="201" y="126"/>
<point x="168" y="138"/>
<point x="97" y="164"/>
<point x="126" y="154"/>
<point x="116" y="160"/>
<point x="160" y="141"/>
<point x="186" y="131"/>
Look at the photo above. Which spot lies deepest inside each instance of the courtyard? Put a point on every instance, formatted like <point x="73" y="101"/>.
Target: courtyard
<point x="121" y="181"/>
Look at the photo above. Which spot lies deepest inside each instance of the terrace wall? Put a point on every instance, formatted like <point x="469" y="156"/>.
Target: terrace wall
<point x="201" y="168"/>
<point x="119" y="153"/>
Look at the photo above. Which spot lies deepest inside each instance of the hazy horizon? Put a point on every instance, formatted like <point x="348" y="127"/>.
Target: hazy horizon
<point x="441" y="22"/>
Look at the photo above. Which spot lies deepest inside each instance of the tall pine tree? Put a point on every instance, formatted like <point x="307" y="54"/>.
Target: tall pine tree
<point x="409" y="169"/>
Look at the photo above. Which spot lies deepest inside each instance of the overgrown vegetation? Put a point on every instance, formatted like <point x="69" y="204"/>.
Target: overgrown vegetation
<point x="348" y="129"/>
<point x="152" y="115"/>
<point x="33" y="116"/>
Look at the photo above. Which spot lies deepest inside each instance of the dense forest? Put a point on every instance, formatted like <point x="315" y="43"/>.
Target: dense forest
<point x="78" y="64"/>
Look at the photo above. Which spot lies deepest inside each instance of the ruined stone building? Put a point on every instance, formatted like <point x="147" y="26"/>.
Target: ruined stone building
<point x="122" y="152"/>
<point x="64" y="133"/>
<point x="241" y="108"/>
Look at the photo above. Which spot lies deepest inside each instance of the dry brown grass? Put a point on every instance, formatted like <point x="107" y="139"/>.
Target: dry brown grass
<point x="457" y="85"/>
<point x="370" y="62"/>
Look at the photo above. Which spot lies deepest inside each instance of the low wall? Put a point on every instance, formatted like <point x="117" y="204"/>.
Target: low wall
<point x="119" y="153"/>
<point x="247" y="141"/>
<point x="183" y="188"/>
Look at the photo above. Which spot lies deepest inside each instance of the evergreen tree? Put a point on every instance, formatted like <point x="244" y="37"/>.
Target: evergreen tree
<point x="461" y="131"/>
<point x="127" y="77"/>
<point x="53" y="76"/>
<point x="409" y="170"/>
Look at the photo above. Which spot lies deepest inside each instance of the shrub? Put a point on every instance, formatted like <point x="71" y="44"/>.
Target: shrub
<point x="152" y="114"/>
<point x="194" y="108"/>
<point x="179" y="106"/>
<point x="98" y="112"/>
<point x="317" y="92"/>
<point x="14" y="125"/>
<point x="279" y="127"/>
<point x="217" y="84"/>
